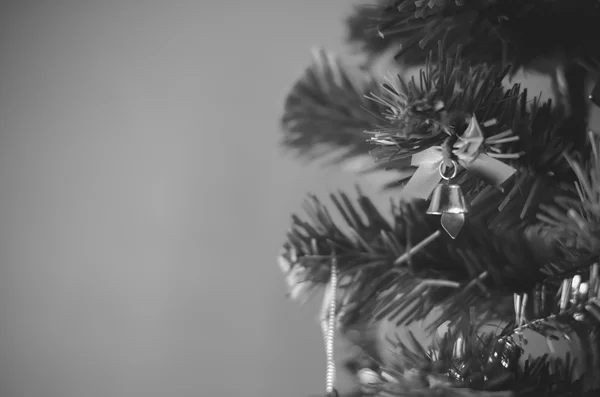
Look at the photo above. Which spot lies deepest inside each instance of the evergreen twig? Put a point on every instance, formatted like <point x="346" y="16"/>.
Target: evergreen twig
<point x="538" y="227"/>
<point x="575" y="217"/>
<point x="491" y="31"/>
<point x="487" y="365"/>
<point x="330" y="109"/>
<point x="421" y="114"/>
<point x="326" y="110"/>
<point x="372" y="257"/>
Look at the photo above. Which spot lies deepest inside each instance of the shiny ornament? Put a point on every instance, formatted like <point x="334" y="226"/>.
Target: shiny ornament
<point x="559" y="337"/>
<point x="506" y="354"/>
<point x="438" y="165"/>
<point x="469" y="151"/>
<point x="448" y="201"/>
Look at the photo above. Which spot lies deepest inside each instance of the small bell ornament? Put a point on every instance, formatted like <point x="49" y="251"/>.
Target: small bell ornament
<point x="438" y="165"/>
<point x="448" y="201"/>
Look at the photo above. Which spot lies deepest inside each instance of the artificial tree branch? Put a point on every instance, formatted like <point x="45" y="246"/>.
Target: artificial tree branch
<point x="491" y="31"/>
<point x="362" y="32"/>
<point x="465" y="362"/>
<point x="401" y="270"/>
<point x="413" y="117"/>
<point x="533" y="225"/>
<point x="449" y="92"/>
<point x="576" y="216"/>
<point x="332" y="107"/>
<point x="326" y="110"/>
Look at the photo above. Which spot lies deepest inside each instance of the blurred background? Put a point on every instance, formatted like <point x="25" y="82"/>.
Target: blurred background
<point x="143" y="197"/>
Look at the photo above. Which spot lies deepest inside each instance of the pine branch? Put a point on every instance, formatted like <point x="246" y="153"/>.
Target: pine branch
<point x="448" y="90"/>
<point x="468" y="363"/>
<point x="402" y="270"/>
<point x="420" y="115"/>
<point x="503" y="232"/>
<point x="575" y="217"/>
<point x="362" y="30"/>
<point x="491" y="31"/>
<point x="537" y="227"/>
<point x="326" y="110"/>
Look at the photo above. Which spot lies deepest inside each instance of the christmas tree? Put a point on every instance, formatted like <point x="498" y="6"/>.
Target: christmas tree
<point x="497" y="219"/>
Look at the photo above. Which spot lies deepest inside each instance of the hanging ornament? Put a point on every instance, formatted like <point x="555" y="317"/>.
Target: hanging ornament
<point x="438" y="165"/>
<point x="562" y="339"/>
<point x="506" y="354"/>
<point x="570" y="332"/>
<point x="448" y="201"/>
<point x="468" y="150"/>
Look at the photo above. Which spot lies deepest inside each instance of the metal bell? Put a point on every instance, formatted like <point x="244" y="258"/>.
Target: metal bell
<point x="447" y="199"/>
<point x="449" y="202"/>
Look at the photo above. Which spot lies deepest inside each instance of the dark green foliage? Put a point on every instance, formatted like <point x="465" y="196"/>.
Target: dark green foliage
<point x="421" y="114"/>
<point x="327" y="111"/>
<point x="471" y="270"/>
<point x="362" y="30"/>
<point x="515" y="32"/>
<point x="540" y="377"/>
<point x="487" y="364"/>
<point x="332" y="108"/>
<point x="537" y="228"/>
<point x="506" y="238"/>
<point x="496" y="255"/>
<point x="557" y="37"/>
<point x="578" y="216"/>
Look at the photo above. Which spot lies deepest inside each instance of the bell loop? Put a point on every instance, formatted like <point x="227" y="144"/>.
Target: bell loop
<point x="453" y="170"/>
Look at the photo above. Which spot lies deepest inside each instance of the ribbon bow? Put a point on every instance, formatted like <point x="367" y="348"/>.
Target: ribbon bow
<point x="467" y="150"/>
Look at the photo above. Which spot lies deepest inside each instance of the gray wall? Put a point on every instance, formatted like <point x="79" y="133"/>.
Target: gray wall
<point x="143" y="197"/>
